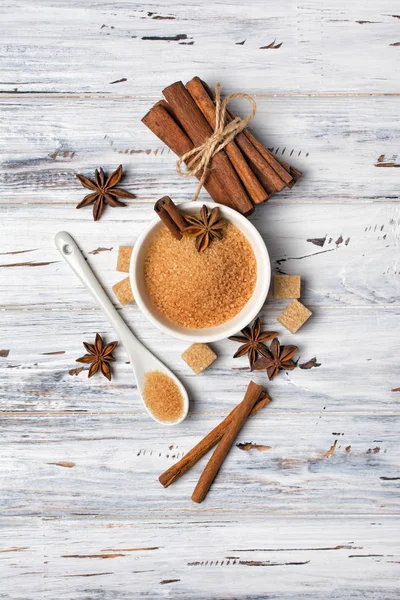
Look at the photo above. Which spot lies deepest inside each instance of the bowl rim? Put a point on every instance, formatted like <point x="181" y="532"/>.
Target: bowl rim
<point x="247" y="317"/>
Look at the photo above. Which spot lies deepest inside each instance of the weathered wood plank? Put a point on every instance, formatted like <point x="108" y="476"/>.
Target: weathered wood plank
<point x="122" y="559"/>
<point x="336" y="142"/>
<point x="357" y="374"/>
<point x="109" y="465"/>
<point x="90" y="77"/>
<point x="139" y="48"/>
<point x="346" y="255"/>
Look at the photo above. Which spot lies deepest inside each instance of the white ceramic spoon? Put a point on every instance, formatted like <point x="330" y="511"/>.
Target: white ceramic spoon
<point x="141" y="359"/>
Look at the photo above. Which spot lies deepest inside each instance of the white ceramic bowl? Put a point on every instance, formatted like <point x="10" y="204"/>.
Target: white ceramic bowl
<point x="208" y="334"/>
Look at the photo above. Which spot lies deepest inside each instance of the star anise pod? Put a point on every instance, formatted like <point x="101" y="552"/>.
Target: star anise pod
<point x="99" y="356"/>
<point x="251" y="340"/>
<point x="103" y="191"/>
<point x="204" y="228"/>
<point x="277" y="358"/>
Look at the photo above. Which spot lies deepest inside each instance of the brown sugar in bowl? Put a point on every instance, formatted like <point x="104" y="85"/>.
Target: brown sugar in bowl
<point x="204" y="324"/>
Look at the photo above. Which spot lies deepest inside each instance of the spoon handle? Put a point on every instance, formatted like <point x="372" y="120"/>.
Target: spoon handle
<point x="142" y="360"/>
<point x="74" y="258"/>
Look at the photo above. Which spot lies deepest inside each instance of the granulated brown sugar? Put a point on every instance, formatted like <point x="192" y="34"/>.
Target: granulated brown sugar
<point x="200" y="289"/>
<point x="124" y="258"/>
<point x="199" y="357"/>
<point x="123" y="291"/>
<point x="294" y="316"/>
<point x="287" y="286"/>
<point x="162" y="396"/>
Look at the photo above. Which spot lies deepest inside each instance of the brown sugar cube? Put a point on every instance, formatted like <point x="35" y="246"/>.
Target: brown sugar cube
<point x="123" y="291"/>
<point x="294" y="316"/>
<point x="287" y="286"/>
<point x="199" y="357"/>
<point x="124" y="258"/>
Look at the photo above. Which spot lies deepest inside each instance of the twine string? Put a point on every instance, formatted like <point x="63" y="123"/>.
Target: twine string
<point x="199" y="158"/>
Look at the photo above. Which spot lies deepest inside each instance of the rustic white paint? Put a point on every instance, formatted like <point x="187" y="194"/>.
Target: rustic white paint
<point x="356" y="375"/>
<point x="69" y="47"/>
<point x="129" y="558"/>
<point x="82" y="513"/>
<point x="336" y="142"/>
<point x="121" y="457"/>
<point x="355" y="265"/>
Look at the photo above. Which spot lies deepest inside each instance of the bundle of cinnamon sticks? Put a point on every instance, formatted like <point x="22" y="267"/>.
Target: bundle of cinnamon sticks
<point x="244" y="173"/>
<point x="224" y="435"/>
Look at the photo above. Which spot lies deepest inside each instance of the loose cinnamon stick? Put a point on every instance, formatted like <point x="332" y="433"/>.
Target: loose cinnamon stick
<point x="160" y="121"/>
<point x="214" y="464"/>
<point x="198" y="130"/>
<point x="208" y="442"/>
<point x="170" y="216"/>
<point x="205" y="103"/>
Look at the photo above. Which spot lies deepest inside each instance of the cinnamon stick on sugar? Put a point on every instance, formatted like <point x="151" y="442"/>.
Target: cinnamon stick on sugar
<point x="214" y="464"/>
<point x="206" y="444"/>
<point x="170" y="216"/>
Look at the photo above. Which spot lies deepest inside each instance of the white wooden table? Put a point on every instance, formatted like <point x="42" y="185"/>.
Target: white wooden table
<point x="82" y="515"/>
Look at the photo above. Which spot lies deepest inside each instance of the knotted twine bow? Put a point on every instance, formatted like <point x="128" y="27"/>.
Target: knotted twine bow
<point x="200" y="157"/>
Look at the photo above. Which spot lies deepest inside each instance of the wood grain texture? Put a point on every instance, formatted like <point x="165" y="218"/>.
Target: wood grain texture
<point x="335" y="142"/>
<point x="311" y="487"/>
<point x="122" y="456"/>
<point x="84" y="558"/>
<point x="357" y="373"/>
<point x="349" y="259"/>
<point x="114" y="48"/>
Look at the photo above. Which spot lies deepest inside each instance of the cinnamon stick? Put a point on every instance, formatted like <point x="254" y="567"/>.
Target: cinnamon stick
<point x="170" y="216"/>
<point x="205" y="103"/>
<point x="160" y="121"/>
<point x="271" y="178"/>
<point x="295" y="173"/>
<point x="214" y="464"/>
<point x="269" y="158"/>
<point x="245" y="172"/>
<point x="256" y="153"/>
<point x="198" y="130"/>
<point x="208" y="442"/>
